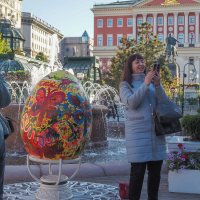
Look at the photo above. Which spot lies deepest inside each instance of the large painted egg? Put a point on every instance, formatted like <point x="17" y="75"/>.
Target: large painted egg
<point x="56" y="119"/>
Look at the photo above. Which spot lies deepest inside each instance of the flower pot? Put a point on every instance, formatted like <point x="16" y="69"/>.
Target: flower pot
<point x="173" y="141"/>
<point x="184" y="181"/>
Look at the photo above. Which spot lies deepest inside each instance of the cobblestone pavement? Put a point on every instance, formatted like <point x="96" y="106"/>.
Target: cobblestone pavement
<point x="163" y="192"/>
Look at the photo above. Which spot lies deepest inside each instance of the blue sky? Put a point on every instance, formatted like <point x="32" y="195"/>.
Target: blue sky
<point x="71" y="17"/>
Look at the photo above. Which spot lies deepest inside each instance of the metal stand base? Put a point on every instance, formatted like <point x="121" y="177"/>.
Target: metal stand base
<point x="52" y="186"/>
<point x="53" y="192"/>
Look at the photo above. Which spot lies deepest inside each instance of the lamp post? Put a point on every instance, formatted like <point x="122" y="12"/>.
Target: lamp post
<point x="184" y="76"/>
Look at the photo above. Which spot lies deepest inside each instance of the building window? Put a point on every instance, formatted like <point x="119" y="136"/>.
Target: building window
<point x="129" y="22"/>
<point x="150" y="20"/>
<point x="160" y="37"/>
<point x="191" y="39"/>
<point x="119" y="22"/>
<point x="180" y="20"/>
<point x="129" y="37"/>
<point x="119" y="38"/>
<point x="160" y="20"/>
<point x="99" y="40"/>
<point x="181" y="40"/>
<point x="191" y="20"/>
<point x="170" y="20"/>
<point x="109" y="40"/>
<point x="139" y="21"/>
<point x="109" y="22"/>
<point x="100" y="23"/>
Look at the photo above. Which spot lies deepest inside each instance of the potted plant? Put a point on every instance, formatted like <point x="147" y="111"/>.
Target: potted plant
<point x="184" y="170"/>
<point x="191" y="134"/>
<point x="191" y="127"/>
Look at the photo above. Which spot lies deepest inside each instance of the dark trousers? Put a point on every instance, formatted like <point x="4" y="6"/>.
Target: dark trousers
<point x="2" y="167"/>
<point x="137" y="177"/>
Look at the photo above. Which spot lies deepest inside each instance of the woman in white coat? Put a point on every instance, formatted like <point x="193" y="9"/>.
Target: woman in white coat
<point x="140" y="92"/>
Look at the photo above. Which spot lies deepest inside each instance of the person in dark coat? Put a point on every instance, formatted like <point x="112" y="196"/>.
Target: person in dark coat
<point x="5" y="99"/>
<point x="139" y="93"/>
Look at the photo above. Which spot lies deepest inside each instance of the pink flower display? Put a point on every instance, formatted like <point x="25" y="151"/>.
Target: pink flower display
<point x="183" y="159"/>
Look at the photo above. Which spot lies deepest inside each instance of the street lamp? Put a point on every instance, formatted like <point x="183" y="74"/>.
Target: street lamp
<point x="193" y="72"/>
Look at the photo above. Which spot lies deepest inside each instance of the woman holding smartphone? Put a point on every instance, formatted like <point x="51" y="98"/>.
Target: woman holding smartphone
<point x="140" y="92"/>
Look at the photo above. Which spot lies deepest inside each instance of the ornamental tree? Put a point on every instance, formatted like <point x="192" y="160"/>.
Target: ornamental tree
<point x="148" y="46"/>
<point x="4" y="48"/>
<point x="41" y="56"/>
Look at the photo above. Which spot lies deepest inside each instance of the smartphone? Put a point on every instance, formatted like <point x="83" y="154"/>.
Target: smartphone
<point x="156" y="67"/>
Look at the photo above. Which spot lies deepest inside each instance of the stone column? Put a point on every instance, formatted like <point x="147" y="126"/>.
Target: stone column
<point x="134" y="27"/>
<point x="144" y="18"/>
<point x="155" y="23"/>
<point x="175" y="25"/>
<point x="197" y="29"/>
<point x="186" y="29"/>
<point x="165" y="26"/>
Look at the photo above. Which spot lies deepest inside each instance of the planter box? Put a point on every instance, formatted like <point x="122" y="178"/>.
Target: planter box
<point x="173" y="141"/>
<point x="184" y="181"/>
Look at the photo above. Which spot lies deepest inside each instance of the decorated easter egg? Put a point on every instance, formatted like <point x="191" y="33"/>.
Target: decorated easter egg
<point x="56" y="119"/>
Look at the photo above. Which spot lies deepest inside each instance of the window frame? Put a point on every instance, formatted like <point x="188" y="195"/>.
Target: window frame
<point x="129" y="25"/>
<point x="181" y="40"/>
<point x="128" y="36"/>
<point x="119" y="43"/>
<point x="160" y="24"/>
<point x="109" y="36"/>
<point x="141" y="19"/>
<point x="98" y="20"/>
<point x="100" y="36"/>
<point x="151" y="20"/>
<point x="191" y="23"/>
<point x="161" y="34"/>
<point x="193" y="38"/>
<point x="170" y="19"/>
<point x="179" y="20"/>
<point x="111" y="20"/>
<point x="118" y="19"/>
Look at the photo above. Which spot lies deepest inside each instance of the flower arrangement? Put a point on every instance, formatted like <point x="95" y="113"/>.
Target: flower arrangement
<point x="19" y="76"/>
<point x="183" y="159"/>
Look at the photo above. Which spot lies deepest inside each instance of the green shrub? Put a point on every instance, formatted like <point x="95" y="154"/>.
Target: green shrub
<point x="191" y="126"/>
<point x="192" y="101"/>
<point x="198" y="110"/>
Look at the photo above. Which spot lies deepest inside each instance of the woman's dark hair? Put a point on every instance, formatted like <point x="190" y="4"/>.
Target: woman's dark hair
<point x="127" y="73"/>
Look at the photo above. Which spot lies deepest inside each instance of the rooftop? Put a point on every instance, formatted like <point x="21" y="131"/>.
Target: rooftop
<point x="118" y="3"/>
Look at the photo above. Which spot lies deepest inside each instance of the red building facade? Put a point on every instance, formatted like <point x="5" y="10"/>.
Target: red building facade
<point x="181" y="18"/>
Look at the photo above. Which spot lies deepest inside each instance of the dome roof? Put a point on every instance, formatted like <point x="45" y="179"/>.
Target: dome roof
<point x="11" y="65"/>
<point x="8" y="31"/>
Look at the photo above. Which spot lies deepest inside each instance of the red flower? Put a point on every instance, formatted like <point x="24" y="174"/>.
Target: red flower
<point x="184" y="156"/>
<point x="180" y="146"/>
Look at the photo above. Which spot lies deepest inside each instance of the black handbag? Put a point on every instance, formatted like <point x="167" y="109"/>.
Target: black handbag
<point x="167" y="118"/>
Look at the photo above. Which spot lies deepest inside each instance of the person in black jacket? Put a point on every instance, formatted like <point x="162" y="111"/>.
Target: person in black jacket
<point x="5" y="99"/>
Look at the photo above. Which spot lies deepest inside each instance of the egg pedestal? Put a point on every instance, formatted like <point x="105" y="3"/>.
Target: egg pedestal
<point x="54" y="186"/>
<point x="56" y="123"/>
